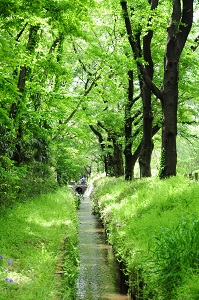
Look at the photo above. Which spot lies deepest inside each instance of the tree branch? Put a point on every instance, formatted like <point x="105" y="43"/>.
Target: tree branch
<point x="136" y="52"/>
<point x="185" y="24"/>
<point x="21" y="32"/>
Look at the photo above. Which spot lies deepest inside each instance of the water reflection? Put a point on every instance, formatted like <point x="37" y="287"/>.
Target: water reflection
<point x="98" y="275"/>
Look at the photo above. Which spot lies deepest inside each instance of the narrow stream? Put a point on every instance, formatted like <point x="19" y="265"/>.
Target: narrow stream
<point x="99" y="276"/>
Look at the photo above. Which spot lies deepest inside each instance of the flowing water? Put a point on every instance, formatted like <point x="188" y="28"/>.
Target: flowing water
<point x="99" y="276"/>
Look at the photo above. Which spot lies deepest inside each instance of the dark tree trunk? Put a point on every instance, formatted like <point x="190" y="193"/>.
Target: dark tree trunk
<point x="135" y="157"/>
<point x="136" y="154"/>
<point x="178" y="31"/>
<point x="110" y="156"/>
<point x="117" y="159"/>
<point x="134" y="40"/>
<point x="114" y="158"/>
<point x="128" y="130"/>
<point x="128" y="162"/>
<point x="129" y="122"/>
<point x="109" y="165"/>
<point x="179" y="28"/>
<point x="102" y="146"/>
<point x="147" y="142"/>
<point x="169" y="125"/>
<point x="15" y="107"/>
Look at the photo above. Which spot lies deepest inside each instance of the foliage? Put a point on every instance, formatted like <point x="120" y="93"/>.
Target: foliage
<point x="64" y="68"/>
<point x="38" y="248"/>
<point x="19" y="183"/>
<point x="37" y="70"/>
<point x="39" y="179"/>
<point x="175" y="254"/>
<point x="189" y="288"/>
<point x="9" y="182"/>
<point x="153" y="226"/>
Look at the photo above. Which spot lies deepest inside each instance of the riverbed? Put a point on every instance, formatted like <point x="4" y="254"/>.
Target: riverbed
<point x="99" y="274"/>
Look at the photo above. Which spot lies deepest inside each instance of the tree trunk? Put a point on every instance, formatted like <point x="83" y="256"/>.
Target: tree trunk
<point x="128" y="130"/>
<point x="134" y="40"/>
<point x="15" y="107"/>
<point x="147" y="142"/>
<point x="102" y="146"/>
<point x="117" y="159"/>
<point x="169" y="123"/>
<point x="177" y="33"/>
<point x="110" y="157"/>
<point x="180" y="26"/>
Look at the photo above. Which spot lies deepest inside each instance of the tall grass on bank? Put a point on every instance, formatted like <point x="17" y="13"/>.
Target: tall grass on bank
<point x="38" y="251"/>
<point x="154" y="227"/>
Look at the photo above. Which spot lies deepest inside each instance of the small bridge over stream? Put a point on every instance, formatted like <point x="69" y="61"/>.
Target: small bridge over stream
<point x="79" y="188"/>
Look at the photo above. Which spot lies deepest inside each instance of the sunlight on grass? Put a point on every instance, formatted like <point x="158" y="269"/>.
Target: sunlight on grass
<point x="44" y="223"/>
<point x="33" y="237"/>
<point x="152" y="225"/>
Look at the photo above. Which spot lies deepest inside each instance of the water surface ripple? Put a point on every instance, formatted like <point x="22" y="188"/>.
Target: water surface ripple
<point x="99" y="277"/>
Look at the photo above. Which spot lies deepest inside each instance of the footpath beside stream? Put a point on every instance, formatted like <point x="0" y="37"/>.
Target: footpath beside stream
<point x="99" y="275"/>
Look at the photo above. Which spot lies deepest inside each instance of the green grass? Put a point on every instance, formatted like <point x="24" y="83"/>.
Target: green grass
<point x="38" y="248"/>
<point x="154" y="228"/>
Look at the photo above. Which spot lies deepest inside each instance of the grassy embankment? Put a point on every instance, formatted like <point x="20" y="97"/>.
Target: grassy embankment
<point x="154" y="227"/>
<point x="38" y="248"/>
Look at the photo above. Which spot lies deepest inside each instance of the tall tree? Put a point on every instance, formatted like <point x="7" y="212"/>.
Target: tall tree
<point x="17" y="106"/>
<point x="147" y="142"/>
<point x="179" y="28"/>
<point x="130" y="135"/>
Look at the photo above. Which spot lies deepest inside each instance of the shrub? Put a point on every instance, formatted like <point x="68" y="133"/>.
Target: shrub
<point x="38" y="179"/>
<point x="20" y="182"/>
<point x="10" y="181"/>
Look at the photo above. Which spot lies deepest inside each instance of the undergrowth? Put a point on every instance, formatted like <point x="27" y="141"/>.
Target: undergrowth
<point x="154" y="228"/>
<point x="18" y="183"/>
<point x="38" y="250"/>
